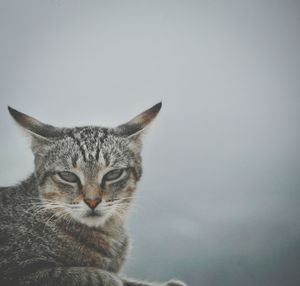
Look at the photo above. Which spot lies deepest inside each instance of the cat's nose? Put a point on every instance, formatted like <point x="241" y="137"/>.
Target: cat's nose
<point x="93" y="203"/>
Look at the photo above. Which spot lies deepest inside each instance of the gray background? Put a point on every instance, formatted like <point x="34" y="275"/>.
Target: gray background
<point x="219" y="200"/>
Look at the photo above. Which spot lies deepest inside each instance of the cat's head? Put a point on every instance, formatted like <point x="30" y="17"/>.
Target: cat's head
<point x="88" y="173"/>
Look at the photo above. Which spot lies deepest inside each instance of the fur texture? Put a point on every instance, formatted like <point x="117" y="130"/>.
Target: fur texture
<point x="64" y="225"/>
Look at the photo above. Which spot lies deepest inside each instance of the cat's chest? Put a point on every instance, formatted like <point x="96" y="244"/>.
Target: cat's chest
<point x="92" y="249"/>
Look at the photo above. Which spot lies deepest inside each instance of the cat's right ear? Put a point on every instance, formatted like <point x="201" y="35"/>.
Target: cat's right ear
<point x="39" y="132"/>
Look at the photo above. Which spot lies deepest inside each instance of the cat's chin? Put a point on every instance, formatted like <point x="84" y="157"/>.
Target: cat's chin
<point x="92" y="219"/>
<point x="96" y="214"/>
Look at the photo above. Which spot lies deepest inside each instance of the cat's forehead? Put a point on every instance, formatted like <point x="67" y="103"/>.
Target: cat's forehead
<point x="88" y="133"/>
<point x="90" y="141"/>
<point x="93" y="144"/>
<point x="89" y="136"/>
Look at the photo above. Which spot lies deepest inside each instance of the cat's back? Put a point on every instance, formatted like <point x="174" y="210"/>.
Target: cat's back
<point x="15" y="204"/>
<point x="16" y="216"/>
<point x="19" y="240"/>
<point x="15" y="200"/>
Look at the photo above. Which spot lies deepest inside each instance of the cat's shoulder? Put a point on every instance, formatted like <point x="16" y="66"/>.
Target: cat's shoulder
<point x="22" y="190"/>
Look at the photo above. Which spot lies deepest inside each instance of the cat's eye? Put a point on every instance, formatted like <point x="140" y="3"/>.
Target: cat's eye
<point x="113" y="175"/>
<point x="68" y="177"/>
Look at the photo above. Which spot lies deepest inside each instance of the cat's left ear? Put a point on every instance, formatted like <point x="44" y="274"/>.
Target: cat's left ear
<point x="40" y="133"/>
<point x="136" y="126"/>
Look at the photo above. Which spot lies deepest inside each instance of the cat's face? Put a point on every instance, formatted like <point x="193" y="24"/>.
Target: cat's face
<point x="87" y="173"/>
<point x="90" y="173"/>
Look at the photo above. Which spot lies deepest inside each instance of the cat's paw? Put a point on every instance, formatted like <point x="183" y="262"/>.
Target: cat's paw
<point x="175" y="283"/>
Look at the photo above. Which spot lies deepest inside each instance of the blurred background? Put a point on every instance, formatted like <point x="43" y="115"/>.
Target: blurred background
<point x="219" y="200"/>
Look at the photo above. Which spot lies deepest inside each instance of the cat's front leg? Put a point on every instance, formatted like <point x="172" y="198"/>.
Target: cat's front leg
<point x="129" y="282"/>
<point x="71" y="276"/>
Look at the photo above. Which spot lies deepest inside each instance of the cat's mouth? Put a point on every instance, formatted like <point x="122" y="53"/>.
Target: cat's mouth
<point x="93" y="213"/>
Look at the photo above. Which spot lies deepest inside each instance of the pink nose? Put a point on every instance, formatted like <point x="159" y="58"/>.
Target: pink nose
<point x="92" y="203"/>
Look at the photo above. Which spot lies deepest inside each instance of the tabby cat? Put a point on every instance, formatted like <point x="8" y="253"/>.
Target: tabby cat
<point x="64" y="225"/>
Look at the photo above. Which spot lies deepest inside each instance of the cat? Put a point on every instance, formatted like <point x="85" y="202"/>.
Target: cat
<point x="64" y="225"/>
